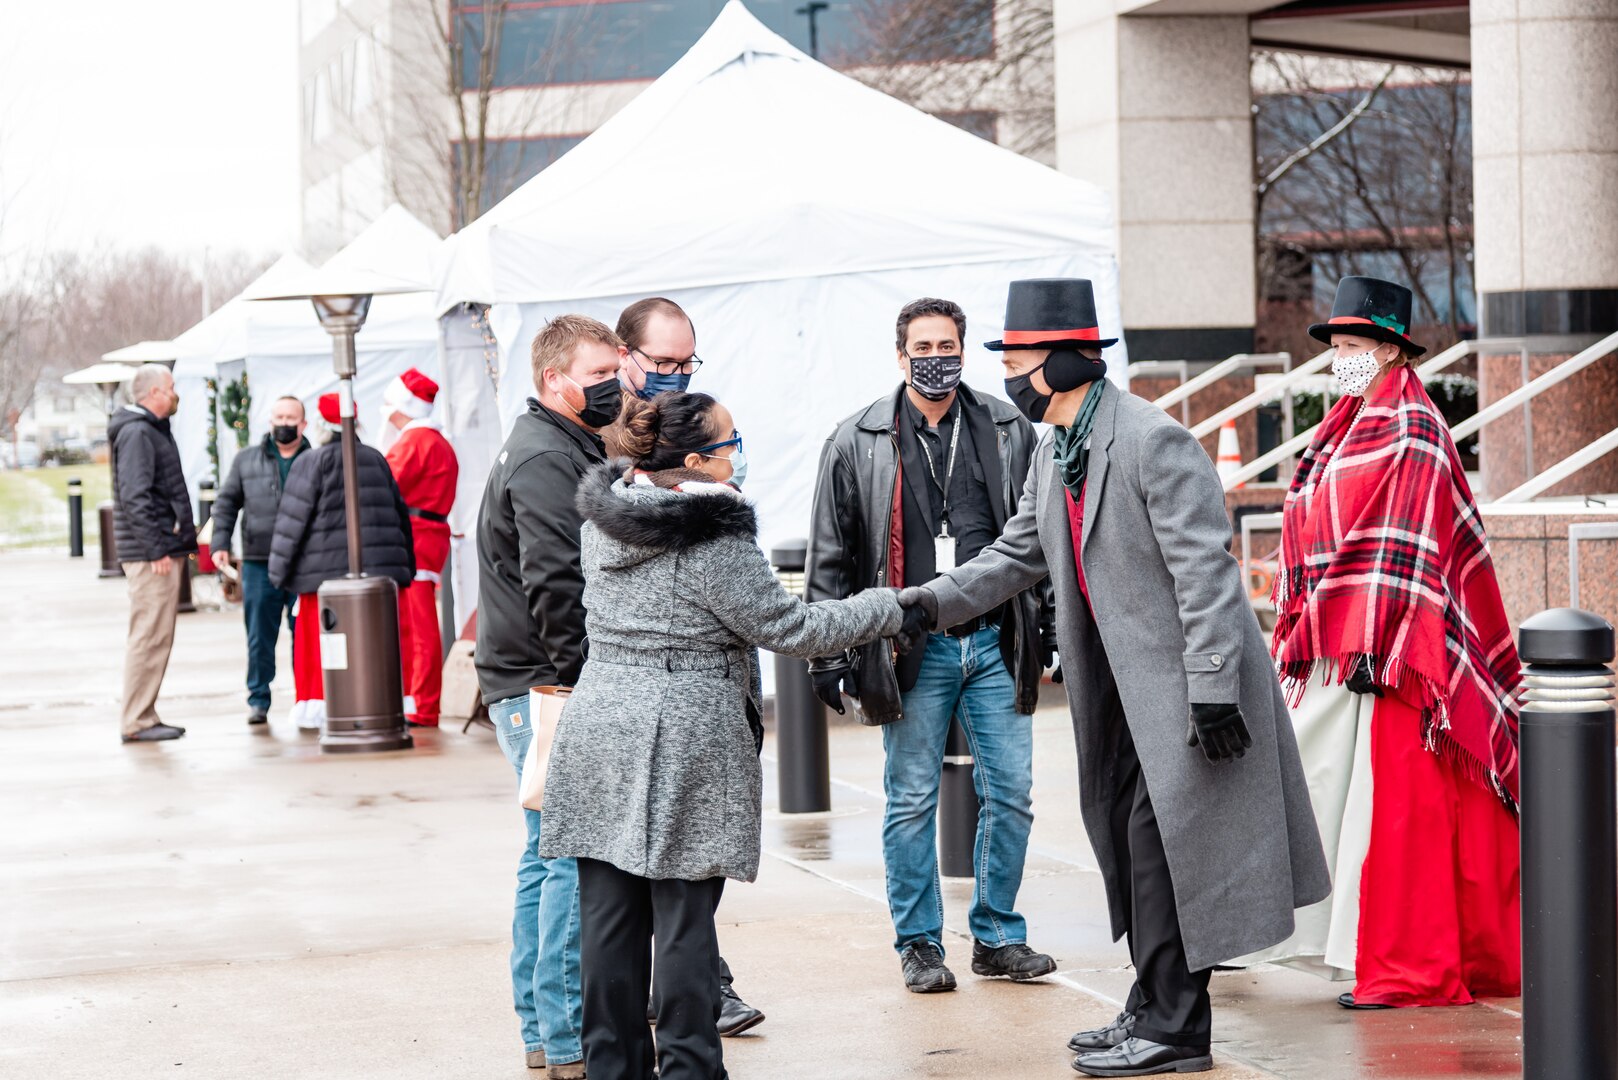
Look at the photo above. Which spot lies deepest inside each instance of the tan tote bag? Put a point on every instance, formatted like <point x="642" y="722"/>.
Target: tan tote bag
<point x="545" y="704"/>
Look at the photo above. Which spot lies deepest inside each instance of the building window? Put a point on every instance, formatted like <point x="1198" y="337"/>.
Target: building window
<point x="580" y="41"/>
<point x="510" y="163"/>
<point x="983" y="124"/>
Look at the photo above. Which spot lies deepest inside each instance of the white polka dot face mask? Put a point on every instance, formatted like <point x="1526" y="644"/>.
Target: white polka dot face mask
<point x="1355" y="373"/>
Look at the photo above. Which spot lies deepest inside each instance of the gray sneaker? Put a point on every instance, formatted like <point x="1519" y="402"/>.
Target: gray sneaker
<point x="924" y="970"/>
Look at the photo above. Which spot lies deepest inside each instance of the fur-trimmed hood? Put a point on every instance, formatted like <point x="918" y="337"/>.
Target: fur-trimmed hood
<point x="649" y="520"/>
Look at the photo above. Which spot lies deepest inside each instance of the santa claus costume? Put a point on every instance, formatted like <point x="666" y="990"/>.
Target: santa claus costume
<point x="308" y="683"/>
<point x="423" y="463"/>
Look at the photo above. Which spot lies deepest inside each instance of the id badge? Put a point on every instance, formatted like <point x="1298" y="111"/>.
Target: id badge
<point x="943" y="553"/>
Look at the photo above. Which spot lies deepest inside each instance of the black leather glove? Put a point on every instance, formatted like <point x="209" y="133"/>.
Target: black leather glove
<point x="1219" y="730"/>
<point x="829" y="686"/>
<point x="1056" y="674"/>
<point x="1361" y="678"/>
<point x="913" y="632"/>
<point x="921" y="615"/>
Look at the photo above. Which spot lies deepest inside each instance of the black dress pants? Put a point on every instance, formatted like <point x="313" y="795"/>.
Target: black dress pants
<point x="1169" y="1000"/>
<point x="619" y="916"/>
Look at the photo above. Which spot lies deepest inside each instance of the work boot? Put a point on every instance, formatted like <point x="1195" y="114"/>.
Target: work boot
<point x="573" y="1070"/>
<point x="1103" y="1038"/>
<point x="536" y="1059"/>
<point x="258" y="716"/>
<point x="156" y="733"/>
<point x="1142" y="1057"/>
<point x="735" y="1015"/>
<point x="1016" y="962"/>
<point x="924" y="970"/>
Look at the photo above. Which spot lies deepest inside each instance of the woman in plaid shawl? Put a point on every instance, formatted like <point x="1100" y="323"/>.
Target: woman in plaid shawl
<point x="1394" y="646"/>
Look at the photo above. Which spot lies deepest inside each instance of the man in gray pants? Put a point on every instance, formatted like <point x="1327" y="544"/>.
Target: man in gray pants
<point x="155" y="534"/>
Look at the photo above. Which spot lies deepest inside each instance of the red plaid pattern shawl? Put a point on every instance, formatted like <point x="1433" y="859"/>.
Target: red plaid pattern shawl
<point x="1383" y="554"/>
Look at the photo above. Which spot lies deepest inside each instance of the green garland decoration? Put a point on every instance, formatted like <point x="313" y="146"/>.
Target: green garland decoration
<point x="213" y="427"/>
<point x="234" y="408"/>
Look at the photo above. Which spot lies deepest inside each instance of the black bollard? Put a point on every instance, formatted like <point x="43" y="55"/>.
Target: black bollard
<point x="75" y="519"/>
<point x="1569" y="848"/>
<point x="803" y="758"/>
<point x="957" y="806"/>
<point x="107" y="518"/>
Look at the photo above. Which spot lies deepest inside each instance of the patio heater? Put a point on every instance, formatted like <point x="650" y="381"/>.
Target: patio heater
<point x="359" y="615"/>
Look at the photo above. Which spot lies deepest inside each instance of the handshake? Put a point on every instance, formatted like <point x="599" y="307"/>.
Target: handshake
<point x="920" y="617"/>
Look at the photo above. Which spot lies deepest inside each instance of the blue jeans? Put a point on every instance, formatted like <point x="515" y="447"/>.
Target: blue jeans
<point x="545" y="982"/>
<point x="263" y="606"/>
<point x="965" y="678"/>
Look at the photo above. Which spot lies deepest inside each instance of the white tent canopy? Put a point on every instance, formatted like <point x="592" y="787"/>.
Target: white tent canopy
<point x="791" y="211"/>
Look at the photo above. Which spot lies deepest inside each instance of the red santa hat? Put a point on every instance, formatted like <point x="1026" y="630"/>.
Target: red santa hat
<point x="412" y="393"/>
<point x="329" y="410"/>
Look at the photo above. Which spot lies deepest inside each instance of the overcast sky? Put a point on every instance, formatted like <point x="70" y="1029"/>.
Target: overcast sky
<point x="129" y="122"/>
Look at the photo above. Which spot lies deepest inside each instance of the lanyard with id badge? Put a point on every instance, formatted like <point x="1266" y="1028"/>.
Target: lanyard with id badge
<point x="944" y="543"/>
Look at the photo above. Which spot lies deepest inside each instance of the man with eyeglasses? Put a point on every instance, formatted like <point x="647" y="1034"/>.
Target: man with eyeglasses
<point x="659" y="354"/>
<point x="912" y="485"/>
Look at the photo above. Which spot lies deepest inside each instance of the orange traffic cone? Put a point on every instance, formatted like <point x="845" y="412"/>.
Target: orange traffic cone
<point x="1229" y="460"/>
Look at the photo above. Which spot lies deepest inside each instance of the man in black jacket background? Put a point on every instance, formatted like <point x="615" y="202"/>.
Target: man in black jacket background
<point x="154" y="535"/>
<point x="916" y="483"/>
<point x="252" y="492"/>
<point x="531" y="633"/>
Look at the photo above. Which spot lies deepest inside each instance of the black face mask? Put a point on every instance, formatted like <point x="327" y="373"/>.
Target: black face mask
<point x="935" y="377"/>
<point x="285" y="434"/>
<point x="1065" y="369"/>
<point x="602" y="402"/>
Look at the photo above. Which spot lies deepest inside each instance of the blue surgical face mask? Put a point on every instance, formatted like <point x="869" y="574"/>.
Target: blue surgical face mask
<point x="738" y="465"/>
<point x="657" y="383"/>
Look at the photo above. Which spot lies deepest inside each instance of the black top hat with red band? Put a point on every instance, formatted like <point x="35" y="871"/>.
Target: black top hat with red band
<point x="1369" y="307"/>
<point x="1049" y="313"/>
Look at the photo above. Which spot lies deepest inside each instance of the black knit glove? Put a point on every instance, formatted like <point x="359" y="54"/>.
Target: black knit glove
<point x="830" y="686"/>
<point x="1362" y="678"/>
<point x="1220" y="731"/>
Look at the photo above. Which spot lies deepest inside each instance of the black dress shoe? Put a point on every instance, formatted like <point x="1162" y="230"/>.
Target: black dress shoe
<point x="1104" y="1038"/>
<point x="156" y="733"/>
<point x="1016" y="962"/>
<point x="258" y="716"/>
<point x="735" y="1015"/>
<point x="1347" y="1001"/>
<point x="1142" y="1057"/>
<point x="924" y="970"/>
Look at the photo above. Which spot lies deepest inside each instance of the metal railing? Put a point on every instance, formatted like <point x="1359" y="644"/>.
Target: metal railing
<point x="1189" y="386"/>
<point x="1258" y="397"/>
<point x="1527" y="392"/>
<point x="1425" y="371"/>
<point x="1594" y="530"/>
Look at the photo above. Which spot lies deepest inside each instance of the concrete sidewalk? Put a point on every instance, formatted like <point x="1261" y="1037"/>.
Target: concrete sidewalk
<point x="235" y="904"/>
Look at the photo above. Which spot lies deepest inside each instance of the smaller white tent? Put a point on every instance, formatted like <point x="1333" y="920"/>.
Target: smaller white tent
<point x="791" y="211"/>
<point x="287" y="351"/>
<point x="198" y="353"/>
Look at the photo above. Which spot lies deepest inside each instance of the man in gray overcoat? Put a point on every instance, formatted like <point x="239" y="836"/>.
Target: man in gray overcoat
<point x="1189" y="779"/>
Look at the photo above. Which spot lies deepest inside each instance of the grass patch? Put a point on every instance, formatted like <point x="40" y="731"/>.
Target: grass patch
<point x="33" y="505"/>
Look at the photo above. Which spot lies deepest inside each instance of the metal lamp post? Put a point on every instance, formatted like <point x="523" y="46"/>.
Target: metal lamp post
<point x="359" y="615"/>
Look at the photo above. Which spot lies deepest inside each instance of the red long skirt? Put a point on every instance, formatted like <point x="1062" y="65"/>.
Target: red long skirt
<point x="1440" y="895"/>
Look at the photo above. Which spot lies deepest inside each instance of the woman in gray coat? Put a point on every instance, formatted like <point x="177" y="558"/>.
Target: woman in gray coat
<point x="654" y="782"/>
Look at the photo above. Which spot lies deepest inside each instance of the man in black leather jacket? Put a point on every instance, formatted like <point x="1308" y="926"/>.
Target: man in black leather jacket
<point x="252" y="492"/>
<point x="916" y="483"/>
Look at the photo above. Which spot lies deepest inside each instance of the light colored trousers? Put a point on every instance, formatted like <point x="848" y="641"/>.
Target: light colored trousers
<point x="154" y="601"/>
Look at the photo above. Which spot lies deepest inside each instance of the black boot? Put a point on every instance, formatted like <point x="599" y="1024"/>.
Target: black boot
<point x="1104" y="1038"/>
<point x="735" y="1015"/>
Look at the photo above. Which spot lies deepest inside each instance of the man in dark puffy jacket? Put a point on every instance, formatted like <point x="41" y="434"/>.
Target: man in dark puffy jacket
<point x="252" y="492"/>
<point x="154" y="535"/>
<point x="310" y="545"/>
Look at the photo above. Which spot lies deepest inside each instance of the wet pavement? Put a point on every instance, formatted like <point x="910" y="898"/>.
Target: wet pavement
<point x="237" y="904"/>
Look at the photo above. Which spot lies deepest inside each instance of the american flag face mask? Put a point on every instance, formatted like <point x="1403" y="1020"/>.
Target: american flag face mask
<point x="935" y="377"/>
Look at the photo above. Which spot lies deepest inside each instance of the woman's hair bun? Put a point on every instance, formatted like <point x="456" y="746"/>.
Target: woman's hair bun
<point x="639" y="424"/>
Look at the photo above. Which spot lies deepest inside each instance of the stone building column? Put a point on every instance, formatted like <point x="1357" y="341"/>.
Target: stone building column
<point x="1158" y="111"/>
<point x="1545" y="149"/>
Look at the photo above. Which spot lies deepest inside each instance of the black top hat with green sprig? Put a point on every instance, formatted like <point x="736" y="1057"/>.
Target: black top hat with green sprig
<point x="1369" y="307"/>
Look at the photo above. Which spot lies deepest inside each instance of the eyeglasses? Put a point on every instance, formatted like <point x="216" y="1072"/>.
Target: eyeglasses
<point x="665" y="366"/>
<point x="734" y="440"/>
